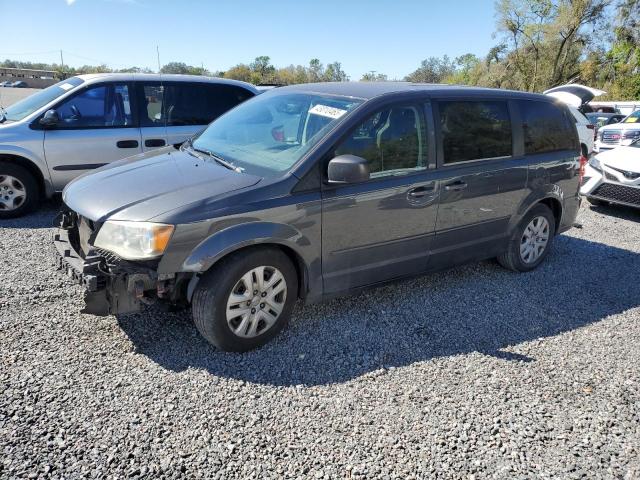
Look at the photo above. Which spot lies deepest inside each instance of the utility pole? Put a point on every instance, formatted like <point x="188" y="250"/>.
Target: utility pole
<point x="158" y="52"/>
<point x="62" y="64"/>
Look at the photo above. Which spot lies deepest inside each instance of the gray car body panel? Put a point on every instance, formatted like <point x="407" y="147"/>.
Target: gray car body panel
<point x="345" y="237"/>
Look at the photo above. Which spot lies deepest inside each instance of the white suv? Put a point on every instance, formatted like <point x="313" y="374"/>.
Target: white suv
<point x="623" y="133"/>
<point x="575" y="96"/>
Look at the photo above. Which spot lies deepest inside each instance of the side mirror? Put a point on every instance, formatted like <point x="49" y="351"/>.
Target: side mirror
<point x="50" y="119"/>
<point x="348" y="169"/>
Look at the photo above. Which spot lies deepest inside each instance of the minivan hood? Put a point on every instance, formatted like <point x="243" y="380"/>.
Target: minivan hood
<point x="145" y="186"/>
<point x="574" y="94"/>
<point x="623" y="158"/>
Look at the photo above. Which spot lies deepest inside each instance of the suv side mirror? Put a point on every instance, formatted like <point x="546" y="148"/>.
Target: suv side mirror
<point x="50" y="119"/>
<point x="348" y="169"/>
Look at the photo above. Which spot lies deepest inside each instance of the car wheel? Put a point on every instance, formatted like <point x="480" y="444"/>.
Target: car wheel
<point x="19" y="193"/>
<point x="531" y="240"/>
<point x="244" y="302"/>
<point x="595" y="202"/>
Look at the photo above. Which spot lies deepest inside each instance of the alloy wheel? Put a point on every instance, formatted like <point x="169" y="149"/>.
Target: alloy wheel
<point x="534" y="239"/>
<point x="12" y="193"/>
<point x="256" y="301"/>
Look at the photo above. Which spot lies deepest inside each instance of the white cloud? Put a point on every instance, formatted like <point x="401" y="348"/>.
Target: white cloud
<point x="70" y="2"/>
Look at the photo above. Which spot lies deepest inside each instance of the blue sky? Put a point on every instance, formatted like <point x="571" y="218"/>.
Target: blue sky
<point x="387" y="36"/>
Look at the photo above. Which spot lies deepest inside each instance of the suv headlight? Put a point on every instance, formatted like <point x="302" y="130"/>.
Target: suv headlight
<point x="595" y="164"/>
<point x="134" y="240"/>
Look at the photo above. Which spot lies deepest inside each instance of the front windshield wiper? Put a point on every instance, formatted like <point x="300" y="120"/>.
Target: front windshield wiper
<point x="217" y="158"/>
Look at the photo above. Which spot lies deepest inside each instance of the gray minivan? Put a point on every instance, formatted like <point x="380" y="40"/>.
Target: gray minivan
<point x="316" y="190"/>
<point x="87" y="121"/>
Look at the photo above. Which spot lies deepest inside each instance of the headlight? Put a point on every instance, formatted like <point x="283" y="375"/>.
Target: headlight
<point x="134" y="240"/>
<point x="595" y="164"/>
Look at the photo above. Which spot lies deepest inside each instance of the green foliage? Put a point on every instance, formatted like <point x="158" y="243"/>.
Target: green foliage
<point x="373" y="77"/>
<point x="433" y="70"/>
<point x="260" y="71"/>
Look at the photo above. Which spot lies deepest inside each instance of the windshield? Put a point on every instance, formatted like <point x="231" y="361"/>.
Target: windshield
<point x="633" y="118"/>
<point x="27" y="106"/>
<point x="598" y="119"/>
<point x="268" y="134"/>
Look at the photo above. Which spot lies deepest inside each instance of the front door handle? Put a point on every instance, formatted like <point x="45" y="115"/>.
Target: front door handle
<point x="456" y="186"/>
<point x="154" y="142"/>
<point x="127" y="144"/>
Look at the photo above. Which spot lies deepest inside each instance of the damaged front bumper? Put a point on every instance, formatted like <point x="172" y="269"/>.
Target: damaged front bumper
<point x="112" y="285"/>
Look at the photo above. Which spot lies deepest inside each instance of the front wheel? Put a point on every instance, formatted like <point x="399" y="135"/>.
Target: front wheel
<point x="531" y="241"/>
<point x="18" y="190"/>
<point x="244" y="302"/>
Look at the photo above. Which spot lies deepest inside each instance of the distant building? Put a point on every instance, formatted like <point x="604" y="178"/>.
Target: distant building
<point x="33" y="78"/>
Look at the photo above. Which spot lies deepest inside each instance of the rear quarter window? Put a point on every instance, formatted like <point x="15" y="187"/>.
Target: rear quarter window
<point x="546" y="127"/>
<point x="473" y="130"/>
<point x="200" y="103"/>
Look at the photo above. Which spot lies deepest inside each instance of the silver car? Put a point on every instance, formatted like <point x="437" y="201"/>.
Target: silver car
<point x="88" y="121"/>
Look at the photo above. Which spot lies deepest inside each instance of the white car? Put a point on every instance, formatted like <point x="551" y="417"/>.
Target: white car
<point x="614" y="177"/>
<point x="623" y="133"/>
<point x="575" y="96"/>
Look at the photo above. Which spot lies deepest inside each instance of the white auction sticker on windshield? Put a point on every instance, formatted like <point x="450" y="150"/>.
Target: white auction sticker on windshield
<point x="66" y="86"/>
<point x="327" y="111"/>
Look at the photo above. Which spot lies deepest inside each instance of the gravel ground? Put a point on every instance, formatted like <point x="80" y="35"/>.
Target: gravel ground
<point x="472" y="373"/>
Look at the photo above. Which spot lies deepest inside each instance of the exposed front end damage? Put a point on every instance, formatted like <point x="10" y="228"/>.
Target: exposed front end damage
<point x="112" y="285"/>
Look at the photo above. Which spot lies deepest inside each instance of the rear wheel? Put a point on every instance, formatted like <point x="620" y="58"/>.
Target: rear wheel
<point x="18" y="190"/>
<point x="245" y="300"/>
<point x="531" y="240"/>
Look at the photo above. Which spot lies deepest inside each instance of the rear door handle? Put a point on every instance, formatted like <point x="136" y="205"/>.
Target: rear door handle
<point x="154" y="142"/>
<point x="420" y="192"/>
<point x="127" y="144"/>
<point x="456" y="186"/>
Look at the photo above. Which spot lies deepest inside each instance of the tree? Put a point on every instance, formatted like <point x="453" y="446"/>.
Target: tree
<point x="546" y="39"/>
<point x="372" y="76"/>
<point x="262" y="71"/>
<point x="433" y="70"/>
<point x="240" y="72"/>
<point x="468" y="70"/>
<point x="334" y="73"/>
<point x="183" y="68"/>
<point x="315" y="70"/>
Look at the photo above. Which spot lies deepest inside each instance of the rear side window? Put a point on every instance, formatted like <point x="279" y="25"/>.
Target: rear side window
<point x="151" y="105"/>
<point x="547" y="128"/>
<point x="199" y="103"/>
<point x="473" y="130"/>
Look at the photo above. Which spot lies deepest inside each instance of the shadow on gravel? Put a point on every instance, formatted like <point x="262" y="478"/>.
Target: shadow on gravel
<point x="618" y="211"/>
<point x="478" y="308"/>
<point x="43" y="217"/>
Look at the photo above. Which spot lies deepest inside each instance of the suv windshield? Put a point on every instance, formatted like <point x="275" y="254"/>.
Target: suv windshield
<point x="268" y="134"/>
<point x="23" y="108"/>
<point x="633" y="118"/>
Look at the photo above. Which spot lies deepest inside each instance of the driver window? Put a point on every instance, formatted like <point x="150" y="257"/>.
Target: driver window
<point x="97" y="107"/>
<point x="391" y="140"/>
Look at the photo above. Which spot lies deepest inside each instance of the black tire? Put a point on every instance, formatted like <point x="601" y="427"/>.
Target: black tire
<point x="30" y="184"/>
<point x="209" y="302"/>
<point x="595" y="202"/>
<point x="584" y="150"/>
<point x="511" y="259"/>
